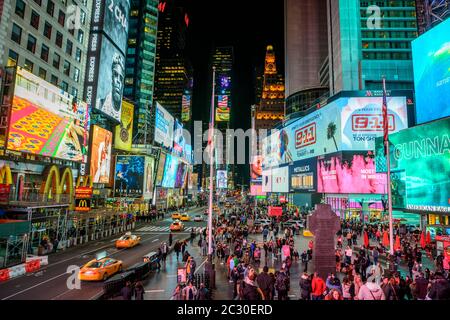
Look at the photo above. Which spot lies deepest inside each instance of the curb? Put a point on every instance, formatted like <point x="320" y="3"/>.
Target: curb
<point x="32" y="264"/>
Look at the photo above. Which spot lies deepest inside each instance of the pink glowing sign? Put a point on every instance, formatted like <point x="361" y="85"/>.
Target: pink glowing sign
<point x="349" y="173"/>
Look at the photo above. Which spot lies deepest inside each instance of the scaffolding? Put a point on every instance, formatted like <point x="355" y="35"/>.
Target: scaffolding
<point x="431" y="12"/>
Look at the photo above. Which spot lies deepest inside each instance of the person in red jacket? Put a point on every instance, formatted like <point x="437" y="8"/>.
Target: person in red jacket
<point x="318" y="287"/>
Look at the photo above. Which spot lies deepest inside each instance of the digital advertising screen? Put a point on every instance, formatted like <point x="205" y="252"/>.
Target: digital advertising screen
<point x="185" y="108"/>
<point x="124" y="131"/>
<point x="170" y="171"/>
<point x="256" y="168"/>
<point x="47" y="121"/>
<point x="164" y="124"/>
<point x="188" y="153"/>
<point x="193" y="181"/>
<point x="222" y="179"/>
<point x="181" y="171"/>
<point x="178" y="140"/>
<point x="422" y="155"/>
<point x="101" y="155"/>
<point x="267" y="180"/>
<point x="110" y="80"/>
<point x="280" y="179"/>
<point x="223" y="109"/>
<point x="111" y="17"/>
<point x="431" y="63"/>
<point x="349" y="172"/>
<point x="303" y="175"/>
<point x="160" y="171"/>
<point x="256" y="190"/>
<point x="128" y="177"/>
<point x="149" y="177"/>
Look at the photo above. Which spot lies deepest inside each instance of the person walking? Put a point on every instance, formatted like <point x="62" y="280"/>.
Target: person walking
<point x="282" y="285"/>
<point x="318" y="287"/>
<point x="170" y="238"/>
<point x="265" y="283"/>
<point x="248" y="288"/>
<point x="177" y="293"/>
<point x="139" y="291"/>
<point x="177" y="248"/>
<point x="127" y="291"/>
<point x="371" y="291"/>
<point x="203" y="292"/>
<point x="305" y="287"/>
<point x="189" y="292"/>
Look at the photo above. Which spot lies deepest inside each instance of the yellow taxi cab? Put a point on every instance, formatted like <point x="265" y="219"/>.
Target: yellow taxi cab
<point x="99" y="269"/>
<point x="185" y="217"/>
<point x="177" y="226"/>
<point x="176" y="215"/>
<point x="127" y="241"/>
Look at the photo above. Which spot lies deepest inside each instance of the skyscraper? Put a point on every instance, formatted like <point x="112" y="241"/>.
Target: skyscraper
<point x="431" y="13"/>
<point x="173" y="71"/>
<point x="368" y="41"/>
<point x="306" y="49"/>
<point x="140" y="65"/>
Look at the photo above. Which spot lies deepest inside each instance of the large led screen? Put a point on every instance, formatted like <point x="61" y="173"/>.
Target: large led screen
<point x="164" y="124"/>
<point x="256" y="190"/>
<point x="422" y="155"/>
<point x="101" y="155"/>
<point x="149" y="177"/>
<point x="349" y="172"/>
<point x="267" y="180"/>
<point x="47" y="121"/>
<point x="181" y="171"/>
<point x="256" y="168"/>
<point x="431" y="62"/>
<point x="160" y="171"/>
<point x="124" y="131"/>
<point x="129" y="178"/>
<point x="280" y="179"/>
<point x="303" y="175"/>
<point x="222" y="179"/>
<point x="178" y="140"/>
<point x="223" y="109"/>
<point x="185" y="108"/>
<point x="170" y="171"/>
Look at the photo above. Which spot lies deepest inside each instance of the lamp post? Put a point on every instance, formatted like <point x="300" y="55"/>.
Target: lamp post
<point x="209" y="267"/>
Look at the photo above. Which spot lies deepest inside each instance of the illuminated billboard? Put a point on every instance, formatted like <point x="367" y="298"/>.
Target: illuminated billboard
<point x="178" y="140"/>
<point x="164" y="124"/>
<point x="349" y="172"/>
<point x="222" y="179"/>
<point x="149" y="177"/>
<point x="129" y="178"/>
<point x="124" y="131"/>
<point x="47" y="121"/>
<point x="267" y="180"/>
<point x="101" y="155"/>
<point x="185" y="108"/>
<point x="431" y="62"/>
<point x="303" y="175"/>
<point x="350" y="123"/>
<point x="256" y="168"/>
<point x="420" y="161"/>
<point x="256" y="190"/>
<point x="181" y="172"/>
<point x="223" y="109"/>
<point x="160" y="171"/>
<point x="170" y="171"/>
<point x="280" y="179"/>
<point x="193" y="181"/>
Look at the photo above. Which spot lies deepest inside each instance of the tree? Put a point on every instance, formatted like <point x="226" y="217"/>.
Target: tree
<point x="331" y="131"/>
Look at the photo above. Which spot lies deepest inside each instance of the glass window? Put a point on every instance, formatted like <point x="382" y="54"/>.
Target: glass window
<point x="42" y="73"/>
<point x="28" y="65"/>
<point x="66" y="68"/>
<point x="64" y="86"/>
<point x="16" y="34"/>
<point x="76" y="74"/>
<point x="31" y="44"/>
<point x="48" y="30"/>
<point x="20" y="8"/>
<point x="82" y="17"/>
<point x="34" y="19"/>
<point x="56" y="60"/>
<point x="59" y="39"/>
<point x="80" y="36"/>
<point x="61" y="17"/>
<point x="78" y="55"/>
<point x="54" y="80"/>
<point x="50" y="7"/>
<point x="39" y="2"/>
<point x="44" y="52"/>
<point x="74" y="92"/>
<point x="12" y="58"/>
<point x="69" y="46"/>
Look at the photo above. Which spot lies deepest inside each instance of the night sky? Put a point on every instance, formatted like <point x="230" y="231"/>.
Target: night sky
<point x="247" y="25"/>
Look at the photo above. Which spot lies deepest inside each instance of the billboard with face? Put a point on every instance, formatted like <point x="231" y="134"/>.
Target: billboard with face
<point x="128" y="178"/>
<point x="124" y="131"/>
<point x="101" y="155"/>
<point x="431" y="61"/>
<point x="164" y="124"/>
<point x="256" y="168"/>
<point x="303" y="175"/>
<point x="178" y="140"/>
<point x="111" y="17"/>
<point x="149" y="176"/>
<point x="222" y="179"/>
<point x="349" y="172"/>
<point x="160" y="172"/>
<point x="47" y="121"/>
<point x="420" y="158"/>
<point x="170" y="171"/>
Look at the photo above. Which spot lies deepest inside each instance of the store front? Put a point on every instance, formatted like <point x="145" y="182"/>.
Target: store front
<point x="357" y="207"/>
<point x="438" y="224"/>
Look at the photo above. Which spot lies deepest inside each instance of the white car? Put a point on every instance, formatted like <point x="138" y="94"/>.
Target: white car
<point x="262" y="222"/>
<point x="198" y="218"/>
<point x="297" y="223"/>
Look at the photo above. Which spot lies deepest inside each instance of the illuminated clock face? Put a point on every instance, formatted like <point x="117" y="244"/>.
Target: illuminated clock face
<point x="270" y="66"/>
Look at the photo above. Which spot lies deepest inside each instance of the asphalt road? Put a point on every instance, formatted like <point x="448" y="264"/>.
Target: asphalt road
<point x="50" y="283"/>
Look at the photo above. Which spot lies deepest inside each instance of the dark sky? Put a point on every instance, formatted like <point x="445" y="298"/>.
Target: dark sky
<point x="247" y="25"/>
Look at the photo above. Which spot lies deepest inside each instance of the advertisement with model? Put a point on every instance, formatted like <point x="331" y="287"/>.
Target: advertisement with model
<point x="128" y="178"/>
<point x="431" y="62"/>
<point x="47" y="121"/>
<point x="421" y="155"/>
<point x="178" y="140"/>
<point x="101" y="155"/>
<point x="160" y="170"/>
<point x="170" y="171"/>
<point x="164" y="124"/>
<point x="349" y="172"/>
<point x="303" y="175"/>
<point x="124" y="130"/>
<point x="149" y="177"/>
<point x="222" y="179"/>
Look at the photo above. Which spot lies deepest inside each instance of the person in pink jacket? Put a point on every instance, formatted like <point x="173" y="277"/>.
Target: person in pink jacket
<point x="371" y="291"/>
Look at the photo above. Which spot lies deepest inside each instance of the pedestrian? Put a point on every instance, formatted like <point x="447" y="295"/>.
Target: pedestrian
<point x="170" y="238"/>
<point x="178" y="293"/>
<point x="248" y="288"/>
<point x="440" y="288"/>
<point x="189" y="292"/>
<point x="305" y="287"/>
<point x="420" y="287"/>
<point x="127" y="291"/>
<point x="304" y="258"/>
<point x="203" y="292"/>
<point x="265" y="283"/>
<point x="282" y="285"/>
<point x="177" y="248"/>
<point x="334" y="294"/>
<point x="139" y="291"/>
<point x="318" y="287"/>
<point x="371" y="291"/>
